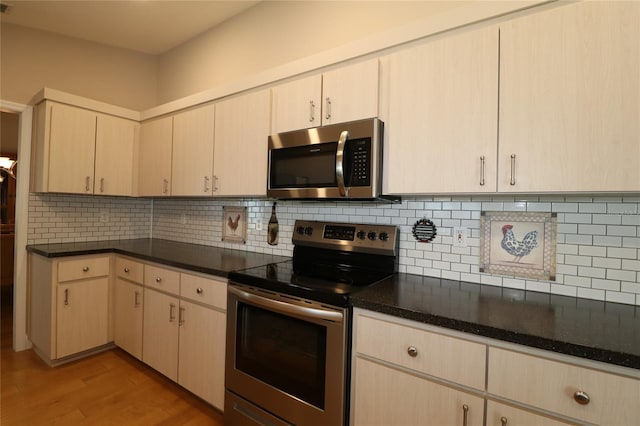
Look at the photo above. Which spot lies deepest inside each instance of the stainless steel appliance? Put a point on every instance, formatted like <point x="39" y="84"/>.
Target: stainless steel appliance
<point x="289" y="324"/>
<point x="340" y="161"/>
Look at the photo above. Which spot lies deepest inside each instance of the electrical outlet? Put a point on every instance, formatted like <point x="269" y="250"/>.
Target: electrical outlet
<point x="459" y="236"/>
<point x="258" y="225"/>
<point x="104" y="216"/>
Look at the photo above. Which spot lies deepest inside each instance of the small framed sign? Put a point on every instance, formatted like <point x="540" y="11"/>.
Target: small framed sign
<point x="424" y="231"/>
<point x="234" y="225"/>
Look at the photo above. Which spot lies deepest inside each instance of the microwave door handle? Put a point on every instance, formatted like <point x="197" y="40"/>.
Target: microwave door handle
<point x="344" y="192"/>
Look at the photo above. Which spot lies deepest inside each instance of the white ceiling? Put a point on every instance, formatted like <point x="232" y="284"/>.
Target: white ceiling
<point x="148" y="26"/>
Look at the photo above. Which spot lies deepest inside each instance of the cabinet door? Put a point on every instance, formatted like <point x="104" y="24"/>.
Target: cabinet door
<point x="202" y="351"/>
<point x="297" y="104"/>
<point x="501" y="415"/>
<point x="71" y="149"/>
<point x="128" y="313"/>
<point x="115" y="148"/>
<point x="241" y="145"/>
<point x="350" y="93"/>
<point x="160" y="333"/>
<point x="441" y="131"/>
<point x="82" y="312"/>
<point x="192" y="159"/>
<point x="570" y="99"/>
<point x="154" y="157"/>
<point x="386" y="396"/>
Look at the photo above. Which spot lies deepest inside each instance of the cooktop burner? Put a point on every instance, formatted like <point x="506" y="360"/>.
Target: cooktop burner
<point x="331" y="261"/>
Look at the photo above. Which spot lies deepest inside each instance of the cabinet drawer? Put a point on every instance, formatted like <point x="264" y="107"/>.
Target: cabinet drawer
<point x="129" y="269"/>
<point x="501" y="414"/>
<point x="552" y="385"/>
<point x="86" y="267"/>
<point x="205" y="290"/>
<point x="442" y="356"/>
<point x="162" y="279"/>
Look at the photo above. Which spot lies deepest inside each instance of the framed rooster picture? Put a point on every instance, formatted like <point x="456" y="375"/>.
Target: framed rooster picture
<point x="519" y="244"/>
<point x="234" y="225"/>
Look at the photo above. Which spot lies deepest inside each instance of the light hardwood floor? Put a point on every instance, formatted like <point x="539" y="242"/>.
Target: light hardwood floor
<point x="111" y="388"/>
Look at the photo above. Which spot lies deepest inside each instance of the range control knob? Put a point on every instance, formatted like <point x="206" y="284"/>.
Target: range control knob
<point x="383" y="236"/>
<point x="300" y="230"/>
<point x="308" y="230"/>
<point x="361" y="235"/>
<point x="372" y="236"/>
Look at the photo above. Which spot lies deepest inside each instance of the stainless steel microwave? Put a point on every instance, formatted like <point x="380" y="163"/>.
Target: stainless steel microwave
<point x="339" y="161"/>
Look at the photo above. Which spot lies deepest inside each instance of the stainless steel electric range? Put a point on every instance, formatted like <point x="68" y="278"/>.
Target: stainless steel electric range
<point x="289" y="324"/>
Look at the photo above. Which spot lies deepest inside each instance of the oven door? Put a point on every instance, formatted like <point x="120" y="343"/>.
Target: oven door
<point x="285" y="356"/>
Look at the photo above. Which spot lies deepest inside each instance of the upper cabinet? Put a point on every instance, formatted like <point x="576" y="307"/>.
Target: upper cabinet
<point x="154" y="157"/>
<point x="79" y="151"/>
<point x="440" y="103"/>
<point x="241" y="135"/>
<point x="192" y="158"/>
<point x="570" y="99"/>
<point x="344" y="94"/>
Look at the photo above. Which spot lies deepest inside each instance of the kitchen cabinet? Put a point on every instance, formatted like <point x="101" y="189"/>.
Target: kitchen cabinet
<point x="69" y="305"/>
<point x="192" y="156"/>
<point x="506" y="415"/>
<point x="440" y="107"/>
<point x="404" y="375"/>
<point x="344" y="94"/>
<point x="184" y="330"/>
<point x="570" y="99"/>
<point x="574" y="391"/>
<point x="128" y="305"/>
<point x="241" y="143"/>
<point x="80" y="151"/>
<point x="154" y="157"/>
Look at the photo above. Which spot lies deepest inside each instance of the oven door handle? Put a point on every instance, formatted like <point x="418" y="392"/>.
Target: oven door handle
<point x="344" y="192"/>
<point x="287" y="307"/>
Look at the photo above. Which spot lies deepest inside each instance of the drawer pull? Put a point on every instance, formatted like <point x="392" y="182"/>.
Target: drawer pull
<point x="581" y="397"/>
<point x="465" y="414"/>
<point x="66" y="296"/>
<point x="85" y="269"/>
<point x="172" y="315"/>
<point x="158" y="279"/>
<point x="199" y="290"/>
<point x="503" y="421"/>
<point x="126" y="270"/>
<point x="412" y="351"/>
<point x="136" y="299"/>
<point x="181" y="315"/>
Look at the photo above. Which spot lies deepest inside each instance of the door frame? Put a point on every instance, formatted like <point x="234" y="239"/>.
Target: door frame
<point x="25" y="112"/>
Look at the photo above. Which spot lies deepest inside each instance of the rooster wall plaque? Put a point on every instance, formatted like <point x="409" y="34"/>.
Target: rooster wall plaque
<point x="521" y="244"/>
<point x="234" y="225"/>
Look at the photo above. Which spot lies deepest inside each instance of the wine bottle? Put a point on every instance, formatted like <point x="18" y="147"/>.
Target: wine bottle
<point x="272" y="237"/>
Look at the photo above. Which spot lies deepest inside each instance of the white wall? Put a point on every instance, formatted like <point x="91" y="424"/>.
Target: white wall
<point x="274" y="33"/>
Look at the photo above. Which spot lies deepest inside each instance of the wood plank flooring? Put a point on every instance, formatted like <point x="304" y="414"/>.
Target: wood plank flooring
<point x="111" y="388"/>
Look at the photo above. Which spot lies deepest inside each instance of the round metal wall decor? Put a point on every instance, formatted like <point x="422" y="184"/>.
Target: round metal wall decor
<point x="424" y="231"/>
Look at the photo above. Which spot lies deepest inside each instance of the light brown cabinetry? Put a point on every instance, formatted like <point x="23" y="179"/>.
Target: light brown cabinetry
<point x="128" y="305"/>
<point x="69" y="305"/>
<point x="154" y="157"/>
<point x="241" y="141"/>
<point x="507" y="415"/>
<point x="80" y="151"/>
<point x="345" y="94"/>
<point x="440" y="106"/>
<point x="570" y="99"/>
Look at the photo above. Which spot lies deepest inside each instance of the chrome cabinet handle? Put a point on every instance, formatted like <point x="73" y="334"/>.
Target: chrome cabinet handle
<point x="101" y="184"/>
<point x="181" y="316"/>
<point x="482" y="170"/>
<point x="172" y="316"/>
<point x="158" y="279"/>
<point x="215" y="183"/>
<point x="206" y="184"/>
<point x="199" y="290"/>
<point x="581" y="397"/>
<point x="85" y="269"/>
<point x="126" y="269"/>
<point x="165" y="186"/>
<point x="512" y="181"/>
<point x="136" y="299"/>
<point x="328" y="105"/>
<point x="312" y="111"/>
<point x="465" y="414"/>
<point x="340" y="163"/>
<point x="412" y="351"/>
<point x="66" y="296"/>
<point x="503" y="421"/>
<point x="87" y="181"/>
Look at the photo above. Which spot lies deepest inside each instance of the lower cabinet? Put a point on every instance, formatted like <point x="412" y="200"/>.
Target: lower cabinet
<point x="128" y="309"/>
<point x="506" y="415"/>
<point x="160" y="332"/>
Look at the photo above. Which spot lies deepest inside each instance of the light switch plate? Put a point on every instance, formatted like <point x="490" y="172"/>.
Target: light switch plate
<point x="459" y="236"/>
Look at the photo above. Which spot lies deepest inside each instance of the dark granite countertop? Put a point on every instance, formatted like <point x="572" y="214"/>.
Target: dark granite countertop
<point x="600" y="331"/>
<point x="194" y="257"/>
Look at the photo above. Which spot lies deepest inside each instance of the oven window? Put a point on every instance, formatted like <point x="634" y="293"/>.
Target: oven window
<point x="285" y="352"/>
